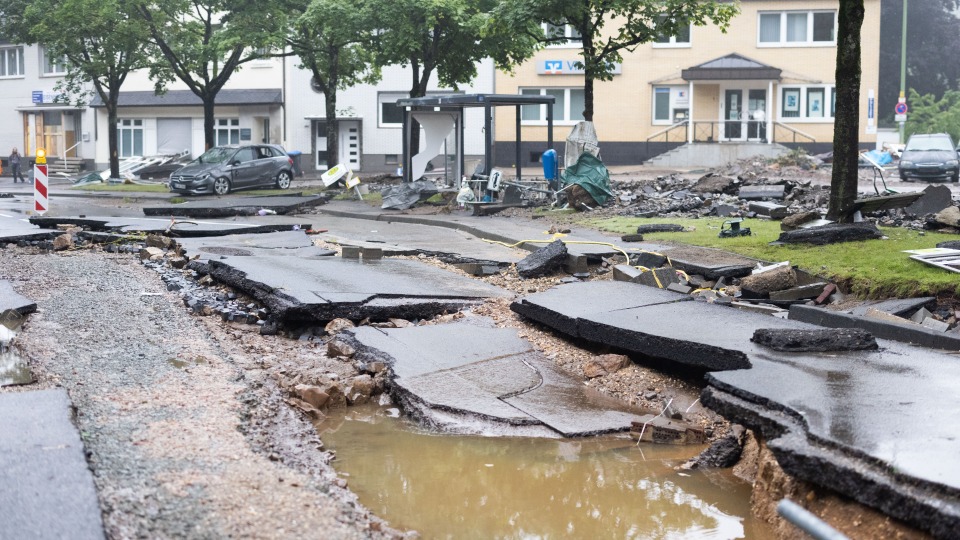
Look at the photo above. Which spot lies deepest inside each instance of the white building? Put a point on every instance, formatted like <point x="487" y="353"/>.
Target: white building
<point x="268" y="101"/>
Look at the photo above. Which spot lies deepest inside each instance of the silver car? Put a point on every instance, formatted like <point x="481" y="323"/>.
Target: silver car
<point x="223" y="169"/>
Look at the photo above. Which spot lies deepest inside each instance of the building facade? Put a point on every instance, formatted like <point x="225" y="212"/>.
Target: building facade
<point x="769" y="79"/>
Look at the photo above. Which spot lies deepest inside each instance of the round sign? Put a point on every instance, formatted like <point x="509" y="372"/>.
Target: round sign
<point x="901" y="108"/>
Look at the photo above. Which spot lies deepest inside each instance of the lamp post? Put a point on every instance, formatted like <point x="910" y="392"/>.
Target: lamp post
<point x="903" y="63"/>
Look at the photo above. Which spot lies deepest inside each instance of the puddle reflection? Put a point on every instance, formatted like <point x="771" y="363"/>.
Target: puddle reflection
<point x="448" y="486"/>
<point x="13" y="368"/>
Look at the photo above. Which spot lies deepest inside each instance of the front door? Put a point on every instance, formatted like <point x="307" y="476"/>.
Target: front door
<point x="733" y="115"/>
<point x="757" y="109"/>
<point x="349" y="137"/>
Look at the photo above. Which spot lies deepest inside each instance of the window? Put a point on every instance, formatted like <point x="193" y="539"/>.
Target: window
<point x="11" y="61"/>
<point x="681" y="38"/>
<point x="244" y="155"/>
<point x="390" y="114"/>
<point x="227" y="131"/>
<point x="797" y="28"/>
<point x="52" y="65"/>
<point x="671" y="104"/>
<point x="130" y="137"/>
<point x="567" y="106"/>
<point x="565" y="31"/>
<point x="808" y="103"/>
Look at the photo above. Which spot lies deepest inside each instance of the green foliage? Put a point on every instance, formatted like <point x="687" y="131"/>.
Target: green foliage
<point x="869" y="269"/>
<point x="931" y="115"/>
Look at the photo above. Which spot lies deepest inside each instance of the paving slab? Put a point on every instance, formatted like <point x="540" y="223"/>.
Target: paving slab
<point x="237" y="206"/>
<point x="48" y="490"/>
<point x="488" y="373"/>
<point x="317" y="289"/>
<point x="10" y="299"/>
<point x="182" y="229"/>
<point x="878" y="426"/>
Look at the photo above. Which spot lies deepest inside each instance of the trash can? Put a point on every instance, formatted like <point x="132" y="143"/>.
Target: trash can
<point x="295" y="155"/>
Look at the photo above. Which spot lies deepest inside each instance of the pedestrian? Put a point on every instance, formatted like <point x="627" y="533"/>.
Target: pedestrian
<point x="15" y="166"/>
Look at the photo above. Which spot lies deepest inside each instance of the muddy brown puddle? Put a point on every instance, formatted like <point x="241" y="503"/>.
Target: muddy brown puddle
<point x="457" y="486"/>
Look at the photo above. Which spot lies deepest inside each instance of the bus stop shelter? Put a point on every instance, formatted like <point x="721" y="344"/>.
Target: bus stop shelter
<point x="440" y="114"/>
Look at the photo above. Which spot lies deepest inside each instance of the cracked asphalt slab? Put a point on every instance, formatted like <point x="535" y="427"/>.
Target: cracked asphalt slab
<point x="205" y="450"/>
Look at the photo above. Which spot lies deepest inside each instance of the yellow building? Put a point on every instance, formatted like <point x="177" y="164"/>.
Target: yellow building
<point x="768" y="82"/>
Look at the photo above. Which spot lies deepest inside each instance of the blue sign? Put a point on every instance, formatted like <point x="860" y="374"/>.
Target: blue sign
<point x="568" y="67"/>
<point x="870" y="108"/>
<point x="37" y="96"/>
<point x="901" y="108"/>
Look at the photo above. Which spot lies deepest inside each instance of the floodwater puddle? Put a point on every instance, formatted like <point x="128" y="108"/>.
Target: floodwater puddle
<point x="459" y="486"/>
<point x="13" y="367"/>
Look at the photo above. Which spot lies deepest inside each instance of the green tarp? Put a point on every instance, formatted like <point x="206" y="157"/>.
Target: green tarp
<point x="590" y="174"/>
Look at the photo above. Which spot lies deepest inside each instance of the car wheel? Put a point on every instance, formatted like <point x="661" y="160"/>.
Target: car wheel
<point x="283" y="180"/>
<point x="221" y="186"/>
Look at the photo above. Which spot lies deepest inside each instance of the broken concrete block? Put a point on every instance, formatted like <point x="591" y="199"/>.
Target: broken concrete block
<point x="802" y="292"/>
<point x="774" y="210"/>
<point x="659" y="227"/>
<point x="339" y="348"/>
<point x="62" y="242"/>
<point x="677" y="287"/>
<point x="631" y="238"/>
<point x="723" y="210"/>
<point x="714" y="183"/>
<point x="920" y="315"/>
<point x="934" y="324"/>
<point x="625" y="272"/>
<point x="605" y="364"/>
<point x="649" y="259"/>
<point x="543" y="261"/>
<point x="363" y="385"/>
<point x="819" y="340"/>
<point x="576" y="264"/>
<point x="756" y="192"/>
<point x="151" y="253"/>
<point x="665" y="431"/>
<point x="350" y="252"/>
<point x="314" y="395"/>
<point x="478" y="269"/>
<point x="159" y="241"/>
<point x="794" y="221"/>
<point x="832" y="234"/>
<point x="933" y="200"/>
<point x="765" y="309"/>
<point x="369" y="253"/>
<point x="659" y="277"/>
<point x="949" y="216"/>
<point x="336" y="326"/>
<point x="764" y="283"/>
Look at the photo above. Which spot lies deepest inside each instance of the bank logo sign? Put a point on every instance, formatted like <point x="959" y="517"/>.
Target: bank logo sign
<point x="565" y="67"/>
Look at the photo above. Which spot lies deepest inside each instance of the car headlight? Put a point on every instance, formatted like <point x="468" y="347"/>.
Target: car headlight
<point x="952" y="163"/>
<point x="906" y="164"/>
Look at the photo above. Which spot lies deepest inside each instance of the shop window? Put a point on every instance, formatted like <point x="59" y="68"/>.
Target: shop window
<point x="808" y="103"/>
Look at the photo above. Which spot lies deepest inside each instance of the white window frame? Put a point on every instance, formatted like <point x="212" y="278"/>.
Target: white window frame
<point x="263" y="62"/>
<point x="808" y="42"/>
<point x="18" y="56"/>
<point x="133" y="125"/>
<point x="50" y="68"/>
<point x="560" y="117"/>
<point x="230" y="126"/>
<point x="829" y="94"/>
<point x="568" y="32"/>
<point x="672" y="42"/>
<point x="388" y="97"/>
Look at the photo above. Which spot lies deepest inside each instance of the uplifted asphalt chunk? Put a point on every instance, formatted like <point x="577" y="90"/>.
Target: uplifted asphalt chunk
<point x="180" y="229"/>
<point x="11" y="300"/>
<point x="290" y="243"/>
<point x="245" y="206"/>
<point x="468" y="378"/>
<point x="48" y="491"/>
<point x="905" y="331"/>
<point x="543" y="261"/>
<point x="659" y="227"/>
<point x="877" y="426"/>
<point x="317" y="289"/>
<point x="819" y="340"/>
<point x="832" y="234"/>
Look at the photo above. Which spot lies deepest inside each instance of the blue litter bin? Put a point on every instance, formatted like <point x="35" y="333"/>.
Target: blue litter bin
<point x="549" y="159"/>
<point x="295" y="155"/>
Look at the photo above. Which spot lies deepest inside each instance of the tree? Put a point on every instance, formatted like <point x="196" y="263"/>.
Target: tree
<point x="204" y="42"/>
<point x="103" y="45"/>
<point x="333" y="39"/>
<point x="931" y="115"/>
<point x="846" y="126"/>
<point x="932" y="45"/>
<point x="634" y="22"/>
<point x="443" y="37"/>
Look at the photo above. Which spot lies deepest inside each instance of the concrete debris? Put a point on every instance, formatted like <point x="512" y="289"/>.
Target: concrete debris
<point x="659" y="227"/>
<point x="802" y="292"/>
<point x="715" y="183"/>
<point x="762" y="284"/>
<point x="881" y="324"/>
<point x="794" y="221"/>
<point x="543" y="261"/>
<point x="159" y="241"/>
<point x="832" y="234"/>
<point x="666" y="431"/>
<point x="63" y="242"/>
<point x="773" y="210"/>
<point x="934" y="199"/>
<point x="631" y="238"/>
<point x="339" y="348"/>
<point x="648" y="259"/>
<point x="338" y="325"/>
<point x="722" y="453"/>
<point x="151" y="254"/>
<point x="759" y="192"/>
<point x="604" y="365"/>
<point x="949" y="217"/>
<point x="825" y="340"/>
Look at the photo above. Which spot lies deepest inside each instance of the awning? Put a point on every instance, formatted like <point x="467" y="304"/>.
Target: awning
<point x="186" y="98"/>
<point x="52" y="108"/>
<point x="732" y="67"/>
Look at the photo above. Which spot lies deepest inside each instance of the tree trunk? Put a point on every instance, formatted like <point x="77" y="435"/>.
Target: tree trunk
<point x="209" y="140"/>
<point x="587" y="98"/>
<point x="846" y="130"/>
<point x="112" y="145"/>
<point x="419" y="89"/>
<point x="333" y="126"/>
<point x="588" y="75"/>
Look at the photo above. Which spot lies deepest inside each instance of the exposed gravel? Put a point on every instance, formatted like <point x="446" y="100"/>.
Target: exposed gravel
<point x="206" y="449"/>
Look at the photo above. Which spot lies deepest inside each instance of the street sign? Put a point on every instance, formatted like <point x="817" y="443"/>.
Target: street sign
<point x="899" y="118"/>
<point x="901" y="108"/>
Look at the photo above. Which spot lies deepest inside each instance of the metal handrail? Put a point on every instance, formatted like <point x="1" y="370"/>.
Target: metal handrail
<point x="794" y="131"/>
<point x="666" y="130"/>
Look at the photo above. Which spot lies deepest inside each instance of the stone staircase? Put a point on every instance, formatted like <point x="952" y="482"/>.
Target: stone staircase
<point x="68" y="166"/>
<point x="692" y="155"/>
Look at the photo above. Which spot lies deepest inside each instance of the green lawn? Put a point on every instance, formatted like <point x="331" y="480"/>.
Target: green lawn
<point x="870" y="269"/>
<point x="143" y="188"/>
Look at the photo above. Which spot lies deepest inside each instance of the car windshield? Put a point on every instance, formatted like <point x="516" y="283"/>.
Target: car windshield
<point x="217" y="154"/>
<point x="927" y="144"/>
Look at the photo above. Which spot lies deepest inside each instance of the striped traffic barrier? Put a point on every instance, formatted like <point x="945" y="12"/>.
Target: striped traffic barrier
<point x="40" y="194"/>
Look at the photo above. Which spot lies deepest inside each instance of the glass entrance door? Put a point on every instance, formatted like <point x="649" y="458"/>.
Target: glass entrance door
<point x="757" y="109"/>
<point x="733" y="116"/>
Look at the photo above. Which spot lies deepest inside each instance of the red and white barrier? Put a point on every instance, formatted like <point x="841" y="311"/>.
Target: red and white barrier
<point x="40" y="197"/>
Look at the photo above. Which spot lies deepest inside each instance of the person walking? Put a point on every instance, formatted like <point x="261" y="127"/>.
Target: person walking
<point x="15" y="166"/>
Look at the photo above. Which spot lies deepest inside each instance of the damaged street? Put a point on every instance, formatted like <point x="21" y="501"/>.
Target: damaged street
<point x="237" y="372"/>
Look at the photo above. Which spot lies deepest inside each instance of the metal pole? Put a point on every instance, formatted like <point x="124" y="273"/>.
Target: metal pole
<point x="487" y="140"/>
<point x="903" y="63"/>
<point x="809" y="523"/>
<point x="518" y="142"/>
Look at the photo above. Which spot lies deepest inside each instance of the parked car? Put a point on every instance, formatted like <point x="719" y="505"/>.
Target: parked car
<point x="223" y="169"/>
<point x="928" y="157"/>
